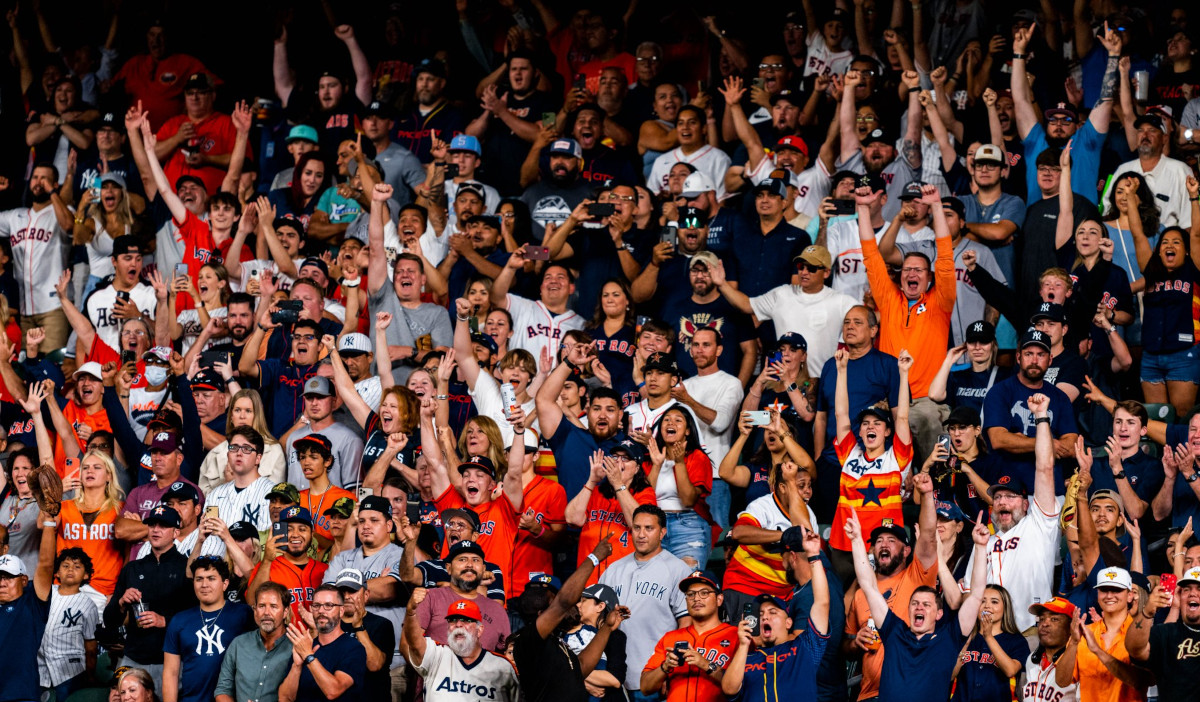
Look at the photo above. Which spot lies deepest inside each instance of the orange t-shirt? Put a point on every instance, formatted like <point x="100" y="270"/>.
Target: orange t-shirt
<point x="1096" y="684"/>
<point x="76" y="417"/>
<point x="898" y="589"/>
<point x="604" y="517"/>
<point x="548" y="500"/>
<point x="687" y="683"/>
<point x="301" y="581"/>
<point x="97" y="539"/>
<point x="497" y="529"/>
<point x="323" y="502"/>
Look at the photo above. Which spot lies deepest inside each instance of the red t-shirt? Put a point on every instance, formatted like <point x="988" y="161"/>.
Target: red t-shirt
<point x="548" y="500"/>
<point x="497" y="529"/>
<point x="604" y="516"/>
<point x="159" y="83"/>
<point x="198" y="248"/>
<point x="215" y="135"/>
<point x="103" y="353"/>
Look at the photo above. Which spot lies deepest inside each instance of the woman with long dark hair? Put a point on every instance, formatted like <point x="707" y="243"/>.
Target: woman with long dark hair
<point x="681" y="473"/>
<point x="995" y="652"/>
<point x="1131" y="216"/>
<point x="1170" y="371"/>
<point x="613" y="331"/>
<point x="778" y="445"/>
<point x="300" y="198"/>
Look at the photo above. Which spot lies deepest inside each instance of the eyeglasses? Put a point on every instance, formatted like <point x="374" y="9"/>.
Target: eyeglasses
<point x="132" y="332"/>
<point x="246" y="449"/>
<point x="304" y="337"/>
<point x="866" y="118"/>
<point x="647" y="59"/>
<point x="1064" y="120"/>
<point x="625" y="198"/>
<point x="1049" y="169"/>
<point x="699" y="594"/>
<point x="864" y="72"/>
<point x="810" y="267"/>
<point x="914" y="269"/>
<point x="772" y="66"/>
<point x="326" y="606"/>
<point x="987" y="166"/>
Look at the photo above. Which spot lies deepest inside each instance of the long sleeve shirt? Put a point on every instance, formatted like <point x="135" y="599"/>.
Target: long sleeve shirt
<point x="165" y="589"/>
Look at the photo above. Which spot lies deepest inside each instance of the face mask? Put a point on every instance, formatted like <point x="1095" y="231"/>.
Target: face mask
<point x="156" y="375"/>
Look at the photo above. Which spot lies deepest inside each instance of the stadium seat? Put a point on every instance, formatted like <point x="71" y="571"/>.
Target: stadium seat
<point x="1161" y="411"/>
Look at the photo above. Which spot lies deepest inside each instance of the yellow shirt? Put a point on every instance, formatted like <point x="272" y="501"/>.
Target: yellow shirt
<point x="1096" y="684"/>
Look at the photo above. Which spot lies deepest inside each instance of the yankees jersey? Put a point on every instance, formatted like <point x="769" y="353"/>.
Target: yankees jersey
<point x="650" y="589"/>
<point x="536" y="328"/>
<point x="1039" y="681"/>
<point x="37" y="252"/>
<point x="448" y="679"/>
<point x="248" y="504"/>
<point x="1022" y="560"/>
<point x="73" y="620"/>
<point x="872" y="487"/>
<point x="200" y="638"/>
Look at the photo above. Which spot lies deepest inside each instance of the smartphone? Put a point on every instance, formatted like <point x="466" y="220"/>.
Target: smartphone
<point x="123" y="295"/>
<point x="364" y="492"/>
<point x="601" y="209"/>
<point x="670" y="235"/>
<point x="1169" y="582"/>
<point x="680" y="647"/>
<point x="758" y="83"/>
<point x="181" y="270"/>
<point x="843" y="207"/>
<point x="71" y="465"/>
<point x="212" y="511"/>
<point x="128" y="356"/>
<point x="749" y="615"/>
<point x="412" y="508"/>
<point x="759" y="418"/>
<point x="580" y="82"/>
<point x="95" y="188"/>
<point x="943" y="440"/>
<point x="537" y="253"/>
<point x="641" y="322"/>
<point x="451" y="170"/>
<point x="278" y="529"/>
<point x="549" y="119"/>
<point x="210" y="359"/>
<point x="776" y="357"/>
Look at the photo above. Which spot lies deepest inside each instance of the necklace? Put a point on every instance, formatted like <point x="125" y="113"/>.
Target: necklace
<point x="22" y="503"/>
<point x="209" y="622"/>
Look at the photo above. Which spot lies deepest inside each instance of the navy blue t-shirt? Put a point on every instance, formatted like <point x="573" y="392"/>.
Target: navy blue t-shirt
<point x="871" y="378"/>
<point x="1007" y="406"/>
<point x="22" y="623"/>
<point x="1070" y="369"/>
<point x="918" y="669"/>
<point x="573" y="448"/>
<point x="686" y="316"/>
<point x="616" y="354"/>
<point x="967" y="388"/>
<point x="344" y="654"/>
<point x="376" y="444"/>
<point x="1167" y="323"/>
<point x="284" y="385"/>
<point x="831" y="674"/>
<point x="980" y="679"/>
<point x="764" y="262"/>
<point x="200" y="639"/>
<point x="784" y="672"/>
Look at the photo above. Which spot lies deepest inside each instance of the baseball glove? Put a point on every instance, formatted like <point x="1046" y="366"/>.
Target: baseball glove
<point x="47" y="489"/>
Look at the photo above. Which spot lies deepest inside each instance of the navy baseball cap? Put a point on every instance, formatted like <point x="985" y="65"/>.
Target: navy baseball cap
<point x="773" y="186"/>
<point x="1051" y="311"/>
<point x="951" y="511"/>
<point x="980" y="332"/>
<point x="240" y="531"/>
<point x="486" y="341"/>
<point x="164" y="516"/>
<point x="545" y="580"/>
<point x="483" y="463"/>
<point x="374" y="503"/>
<point x="776" y="602"/>
<point x="699" y="576"/>
<point x="795" y="340"/>
<point x="602" y="593"/>
<point x="462" y="547"/>
<point x="1034" y="337"/>
<point x="1009" y="482"/>
<point x="180" y="490"/>
<point x="624" y="444"/>
<point x="963" y="416"/>
<point x="881" y="413"/>
<point x="889" y="527"/>
<point x="297" y="514"/>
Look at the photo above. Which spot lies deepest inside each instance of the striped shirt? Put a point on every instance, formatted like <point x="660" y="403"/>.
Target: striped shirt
<point x="234" y="504"/>
<point x="72" y="620"/>
<point x="754" y="569"/>
<point x="872" y="487"/>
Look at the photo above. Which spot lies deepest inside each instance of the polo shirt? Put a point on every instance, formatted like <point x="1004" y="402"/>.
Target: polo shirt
<point x="764" y="261"/>
<point x="918" y="668"/>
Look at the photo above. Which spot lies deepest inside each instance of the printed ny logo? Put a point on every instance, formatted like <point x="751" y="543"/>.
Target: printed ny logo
<point x="209" y="639"/>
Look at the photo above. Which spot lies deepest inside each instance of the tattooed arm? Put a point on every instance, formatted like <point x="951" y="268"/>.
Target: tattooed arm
<point x="910" y="148"/>
<point x="1102" y="110"/>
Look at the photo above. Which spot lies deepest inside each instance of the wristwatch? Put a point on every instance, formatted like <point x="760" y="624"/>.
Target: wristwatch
<point x="1119" y="475"/>
<point x="792" y="388"/>
<point x="713" y="667"/>
<point x="1188" y="134"/>
<point x="310" y="658"/>
<point x="1193" y="477"/>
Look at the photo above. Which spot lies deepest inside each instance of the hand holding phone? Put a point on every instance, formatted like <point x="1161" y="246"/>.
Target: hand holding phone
<point x="1169" y="582"/>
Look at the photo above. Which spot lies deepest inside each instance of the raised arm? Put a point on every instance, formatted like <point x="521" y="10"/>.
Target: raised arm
<point x="841" y="397"/>
<point x="903" y="431"/>
<point x="1102" y="110"/>
<point x="1043" y="451"/>
<point x="968" y="612"/>
<point x="1064" y="228"/>
<point x="281" y="70"/>
<point x="863" y="573"/>
<point x="733" y="91"/>
<point x="1022" y="94"/>
<point x="242" y="121"/>
<point x="172" y="201"/>
<point x="85" y="333"/>
<point x="359" y="409"/>
<point x="362" y="67"/>
<point x="850" y="142"/>
<point x="462" y="343"/>
<point x="377" y="275"/>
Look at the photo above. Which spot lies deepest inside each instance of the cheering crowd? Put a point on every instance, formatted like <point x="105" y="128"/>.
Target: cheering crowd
<point x="571" y="352"/>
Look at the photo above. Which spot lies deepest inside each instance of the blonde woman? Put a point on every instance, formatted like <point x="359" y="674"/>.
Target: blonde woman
<point x="87" y="521"/>
<point x="245" y="410"/>
<point x="209" y="293"/>
<point x="480" y="437"/>
<point x="100" y="220"/>
<point x="994" y="654"/>
<point x="136" y="685"/>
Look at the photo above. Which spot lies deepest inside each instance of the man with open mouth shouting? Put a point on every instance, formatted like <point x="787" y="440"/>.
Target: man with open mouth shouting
<point x="1171" y="650"/>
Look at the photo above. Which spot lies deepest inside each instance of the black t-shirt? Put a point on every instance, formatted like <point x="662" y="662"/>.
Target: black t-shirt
<point x="597" y="260"/>
<point x="603" y="163"/>
<point x="377" y="684"/>
<point x="687" y="316"/>
<point x="1175" y="661"/>
<point x="550" y="672"/>
<point x="1035" y="243"/>
<point x="503" y="150"/>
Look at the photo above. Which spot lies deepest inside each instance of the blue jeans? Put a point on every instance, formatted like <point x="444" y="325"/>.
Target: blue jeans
<point x="639" y="696"/>
<point x="1176" y="366"/>
<point x="689" y="538"/>
<point x="719" y="502"/>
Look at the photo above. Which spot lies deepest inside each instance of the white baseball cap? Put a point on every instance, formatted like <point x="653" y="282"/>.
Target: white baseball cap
<point x="11" y="565"/>
<point x="1115" y="578"/>
<point x="1191" y="575"/>
<point x="90" y="368"/>
<point x="696" y="185"/>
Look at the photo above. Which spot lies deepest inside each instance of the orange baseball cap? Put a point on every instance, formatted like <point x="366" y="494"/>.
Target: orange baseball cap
<point x="1057" y="605"/>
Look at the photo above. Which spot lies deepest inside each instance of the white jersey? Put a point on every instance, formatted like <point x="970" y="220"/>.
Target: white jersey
<point x="384" y="561"/>
<point x="38" y="245"/>
<point x="650" y="589"/>
<point x="812" y="184"/>
<point x="817" y="317"/>
<point x="709" y="160"/>
<point x="1039" y="682"/>
<point x="642" y="418"/>
<point x="72" y="620"/>
<point x="536" y="328"/>
<point x="99" y="309"/>
<point x="822" y="60"/>
<point x="489" y="403"/>
<point x="1022" y="560"/>
<point x="233" y="505"/>
<point x="849" y="270"/>
<point x="490" y="677"/>
<point x="189" y="320"/>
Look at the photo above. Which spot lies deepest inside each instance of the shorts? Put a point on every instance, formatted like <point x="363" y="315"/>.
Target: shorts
<point x="688" y="536"/>
<point x="1174" y="367"/>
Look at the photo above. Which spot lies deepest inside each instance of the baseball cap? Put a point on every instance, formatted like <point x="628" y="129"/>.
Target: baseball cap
<point x="602" y="593"/>
<point x="317" y="442"/>
<point x="285" y="490"/>
<point x="198" y="81"/>
<point x="701" y="576"/>
<point x="912" y="191"/>
<point x="1191" y="575"/>
<point x="1164" y="111"/>
<point x="1009" y="482"/>
<point x="980" y="332"/>
<point x="626" y="445"/>
<point x="791" y="141"/>
<point x="951" y="511"/>
<point x="188" y="178"/>
<point x="1116" y="578"/>
<point x="889" y="527"/>
<point x="1051" y="311"/>
<point x="1062" y="109"/>
<point x="349" y="579"/>
<point x="164" y="516"/>
<point x="115" y="178"/>
<point x="165" y="441"/>
<point x="696" y="185"/>
<point x="839" y="15"/>
<point x="208" y="380"/>
<point x="465" y="142"/>
<point x="708" y="259"/>
<point x="316" y="263"/>
<point x="989" y="153"/>
<point x="180" y="490"/>
<point x="776" y="602"/>
<point x="955" y="205"/>
<point x="963" y="416"/>
<point x="486" y="341"/>
<point x="789" y="96"/>
<point x="158" y="354"/>
<point x="545" y="580"/>
<point x="483" y="463"/>
<point x="463" y="609"/>
<point x="663" y="362"/>
<point x="773" y="186"/>
<point x="108" y="120"/>
<point x="302" y="132"/>
<point x="692" y="218"/>
<point x="816" y="255"/>
<point x="377" y="108"/>
<point x="1108" y="494"/>
<point x="375" y="503"/>
<point x="1033" y="337"/>
<point x="240" y="531"/>
<point x="126" y="244"/>
<point x="11" y="565"/>
<point x="90" y="368"/>
<point x="318" y="385"/>
<point x="354" y="344"/>
<point x="881" y="413"/>
<point x="342" y="507"/>
<point x="486" y="220"/>
<point x="166" y="419"/>
<point x="464" y="546"/>
<point x="794" y="339"/>
<point x="1152" y="120"/>
<point x="566" y="147"/>
<point x="1059" y="605"/>
<point x="461" y="513"/>
<point x="432" y="66"/>
<point x="471" y="186"/>
<point x="879" y="135"/>
<point x="529" y="440"/>
<point x="297" y="514"/>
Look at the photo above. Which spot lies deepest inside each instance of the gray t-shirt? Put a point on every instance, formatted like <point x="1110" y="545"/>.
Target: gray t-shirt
<point x="969" y="304"/>
<point x="408" y="324"/>
<point x="20" y="517"/>
<point x="401" y="170"/>
<point x="650" y="589"/>
<point x="385" y="560"/>
<point x="347" y="456"/>
<point x="896" y="175"/>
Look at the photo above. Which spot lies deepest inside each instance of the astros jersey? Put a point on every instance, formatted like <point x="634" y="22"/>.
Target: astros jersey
<point x="37" y="252"/>
<point x="548" y="500"/>
<point x="318" y="504"/>
<point x="872" y="487"/>
<point x="497" y="528"/>
<point x="1022" y="560"/>
<point x="536" y="328"/>
<point x="1039" y="681"/>
<point x="755" y="570"/>
<point x="604" y="517"/>
<point x="491" y="677"/>
<point x="687" y="683"/>
<point x="98" y="539"/>
<point x="301" y="581"/>
<point x="249" y="504"/>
